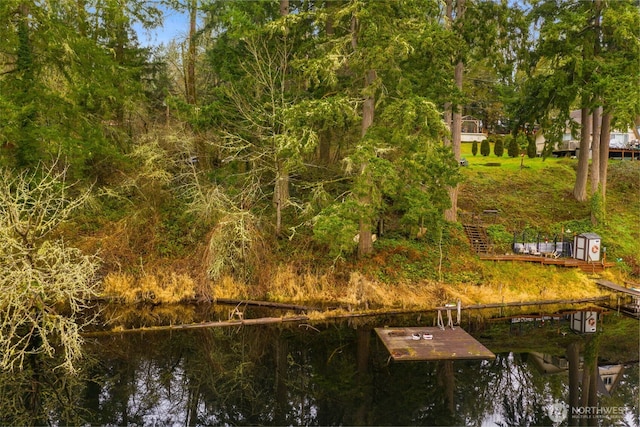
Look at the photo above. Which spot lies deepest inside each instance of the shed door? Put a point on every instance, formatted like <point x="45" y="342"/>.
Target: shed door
<point x="594" y="250"/>
<point x="581" y="247"/>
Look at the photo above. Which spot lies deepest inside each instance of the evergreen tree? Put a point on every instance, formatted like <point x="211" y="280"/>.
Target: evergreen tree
<point x="289" y="90"/>
<point x="498" y="147"/>
<point x="586" y="55"/>
<point x="71" y="80"/>
<point x="485" y="148"/>
<point x="474" y="148"/>
<point x="512" y="146"/>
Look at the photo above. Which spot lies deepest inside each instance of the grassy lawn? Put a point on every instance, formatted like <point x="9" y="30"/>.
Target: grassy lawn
<point x="528" y="192"/>
<point x="491" y="162"/>
<point x="537" y="199"/>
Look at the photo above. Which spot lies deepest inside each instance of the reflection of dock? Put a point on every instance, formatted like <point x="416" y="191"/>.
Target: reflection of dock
<point x="630" y="307"/>
<point x="586" y="266"/>
<point x="440" y="344"/>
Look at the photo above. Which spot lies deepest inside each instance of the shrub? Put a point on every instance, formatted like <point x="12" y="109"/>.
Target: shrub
<point x="474" y="148"/>
<point x="522" y="141"/>
<point x="624" y="177"/>
<point x="336" y="226"/>
<point x="500" y="238"/>
<point x="485" y="148"/>
<point x="498" y="148"/>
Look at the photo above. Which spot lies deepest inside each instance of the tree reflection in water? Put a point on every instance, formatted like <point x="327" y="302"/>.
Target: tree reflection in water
<point x="40" y="398"/>
<point x="288" y="375"/>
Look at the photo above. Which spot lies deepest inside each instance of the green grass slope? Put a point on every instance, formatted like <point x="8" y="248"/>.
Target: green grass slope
<point x="155" y="249"/>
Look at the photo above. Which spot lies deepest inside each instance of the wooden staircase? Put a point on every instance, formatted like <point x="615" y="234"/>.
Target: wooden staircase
<point x="477" y="236"/>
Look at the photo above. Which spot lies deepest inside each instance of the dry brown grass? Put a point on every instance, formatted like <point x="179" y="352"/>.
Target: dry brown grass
<point x="359" y="292"/>
<point x="286" y="285"/>
<point x="502" y="283"/>
<point x="164" y="287"/>
<point x="229" y="288"/>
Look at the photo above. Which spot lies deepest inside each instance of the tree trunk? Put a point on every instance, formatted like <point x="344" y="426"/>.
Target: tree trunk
<point x="580" y="187"/>
<point x="457" y="114"/>
<point x="586" y="382"/>
<point x="324" y="142"/>
<point x="605" y="136"/>
<point x="282" y="403"/>
<point x="573" y="356"/>
<point x="597" y="112"/>
<point x="27" y="150"/>
<point x="365" y="242"/>
<point x="280" y="193"/>
<point x="190" y="75"/>
<point x="597" y="209"/>
<point x="363" y="411"/>
<point x="324" y="147"/>
<point x="447" y="121"/>
<point x="451" y="214"/>
<point x="193" y="399"/>
<point x="448" y="105"/>
<point x="593" y="392"/>
<point x="449" y="386"/>
<point x="595" y="150"/>
<point x="281" y="185"/>
<point x="368" y="107"/>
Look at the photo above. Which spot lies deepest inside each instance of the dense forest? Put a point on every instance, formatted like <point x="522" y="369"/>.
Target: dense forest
<point x="286" y="145"/>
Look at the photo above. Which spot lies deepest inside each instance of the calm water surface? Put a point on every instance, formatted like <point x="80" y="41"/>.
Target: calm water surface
<point x="340" y="374"/>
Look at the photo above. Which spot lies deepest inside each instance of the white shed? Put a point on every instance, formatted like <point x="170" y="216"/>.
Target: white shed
<point x="584" y="321"/>
<point x="586" y="247"/>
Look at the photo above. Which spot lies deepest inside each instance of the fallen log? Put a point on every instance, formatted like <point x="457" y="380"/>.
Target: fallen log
<point x="329" y="316"/>
<point x="214" y="324"/>
<point x="267" y="304"/>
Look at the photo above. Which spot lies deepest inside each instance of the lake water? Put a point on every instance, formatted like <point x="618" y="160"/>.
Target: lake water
<point x="339" y="373"/>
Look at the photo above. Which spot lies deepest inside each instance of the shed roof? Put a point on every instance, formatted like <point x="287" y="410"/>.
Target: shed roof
<point x="590" y="235"/>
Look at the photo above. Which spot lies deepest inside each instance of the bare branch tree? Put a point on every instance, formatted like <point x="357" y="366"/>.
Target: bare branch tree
<point x="44" y="284"/>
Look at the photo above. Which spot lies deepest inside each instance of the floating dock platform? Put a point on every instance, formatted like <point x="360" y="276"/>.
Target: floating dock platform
<point x="431" y="343"/>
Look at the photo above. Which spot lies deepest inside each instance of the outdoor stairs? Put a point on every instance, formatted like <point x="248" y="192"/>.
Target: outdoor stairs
<point x="478" y="238"/>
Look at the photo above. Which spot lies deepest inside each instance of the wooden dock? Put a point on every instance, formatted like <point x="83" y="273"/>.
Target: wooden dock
<point x="618" y="288"/>
<point x="586" y="266"/>
<point x="433" y="344"/>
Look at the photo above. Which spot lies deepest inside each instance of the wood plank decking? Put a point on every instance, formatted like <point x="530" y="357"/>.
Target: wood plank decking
<point x="588" y="267"/>
<point x="444" y="344"/>
<point x="618" y="288"/>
